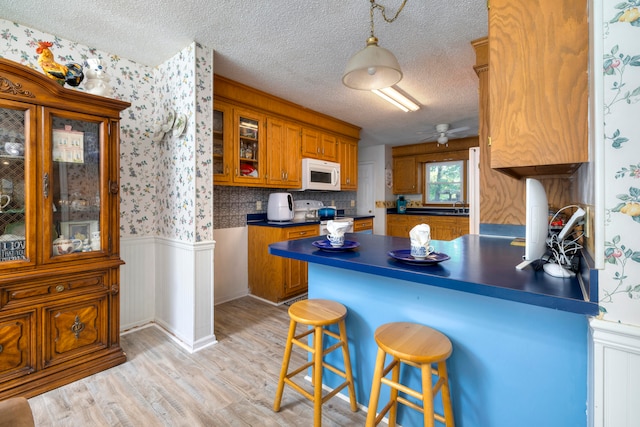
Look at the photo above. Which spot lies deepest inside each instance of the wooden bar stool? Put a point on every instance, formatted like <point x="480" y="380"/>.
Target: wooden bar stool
<point x="317" y="313"/>
<point x="419" y="346"/>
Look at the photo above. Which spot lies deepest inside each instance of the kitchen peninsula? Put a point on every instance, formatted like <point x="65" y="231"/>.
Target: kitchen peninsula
<point x="519" y="336"/>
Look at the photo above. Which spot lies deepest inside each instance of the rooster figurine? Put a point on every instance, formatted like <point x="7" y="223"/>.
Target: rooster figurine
<point x="70" y="74"/>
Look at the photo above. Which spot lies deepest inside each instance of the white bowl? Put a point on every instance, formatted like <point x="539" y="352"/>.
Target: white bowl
<point x="14" y="148"/>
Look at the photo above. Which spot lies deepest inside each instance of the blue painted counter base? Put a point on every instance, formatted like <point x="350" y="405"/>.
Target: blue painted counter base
<point x="519" y="336"/>
<point x="512" y="365"/>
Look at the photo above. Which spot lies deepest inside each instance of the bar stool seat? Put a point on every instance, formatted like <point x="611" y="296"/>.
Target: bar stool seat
<point x="418" y="346"/>
<point x="318" y="314"/>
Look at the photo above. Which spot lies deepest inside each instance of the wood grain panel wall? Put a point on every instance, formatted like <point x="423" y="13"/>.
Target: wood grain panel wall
<point x="502" y="197"/>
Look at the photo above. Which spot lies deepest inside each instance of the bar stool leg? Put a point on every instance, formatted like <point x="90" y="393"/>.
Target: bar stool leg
<point x="375" y="388"/>
<point x="347" y="365"/>
<point x="285" y="365"/>
<point x="446" y="395"/>
<point x="395" y="377"/>
<point x="427" y="394"/>
<point x="317" y="376"/>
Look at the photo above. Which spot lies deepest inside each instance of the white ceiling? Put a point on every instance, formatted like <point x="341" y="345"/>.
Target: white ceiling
<point x="296" y="50"/>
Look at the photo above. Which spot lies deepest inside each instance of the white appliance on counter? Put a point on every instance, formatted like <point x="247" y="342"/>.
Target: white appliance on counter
<point x="320" y="175"/>
<point x="307" y="210"/>
<point x="280" y="207"/>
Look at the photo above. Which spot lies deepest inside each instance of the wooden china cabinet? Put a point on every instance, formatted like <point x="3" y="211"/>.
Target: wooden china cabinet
<point x="59" y="180"/>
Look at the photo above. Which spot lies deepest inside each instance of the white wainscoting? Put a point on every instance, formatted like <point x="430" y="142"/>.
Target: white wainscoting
<point x="616" y="374"/>
<point x="169" y="283"/>
<point x="232" y="265"/>
<point x="184" y="291"/>
<point x="137" y="282"/>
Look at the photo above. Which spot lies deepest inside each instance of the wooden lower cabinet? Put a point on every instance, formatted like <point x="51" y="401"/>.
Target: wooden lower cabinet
<point x="272" y="277"/>
<point x="442" y="227"/>
<point x="362" y="224"/>
<point x="17" y="344"/>
<point x="57" y="330"/>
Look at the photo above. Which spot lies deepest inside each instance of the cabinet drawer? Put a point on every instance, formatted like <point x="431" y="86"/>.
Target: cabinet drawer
<point x="362" y="224"/>
<point x="26" y="293"/>
<point x="17" y="345"/>
<point x="302" y="232"/>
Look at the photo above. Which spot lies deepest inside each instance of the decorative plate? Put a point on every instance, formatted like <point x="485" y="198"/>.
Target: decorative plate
<point x="179" y="125"/>
<point x="325" y="245"/>
<point x="158" y="133"/>
<point x="168" y="123"/>
<point x="404" y="255"/>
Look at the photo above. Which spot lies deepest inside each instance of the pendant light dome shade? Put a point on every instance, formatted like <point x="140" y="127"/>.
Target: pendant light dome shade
<point x="374" y="67"/>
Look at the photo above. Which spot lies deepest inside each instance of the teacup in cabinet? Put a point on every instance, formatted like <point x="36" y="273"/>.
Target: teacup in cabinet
<point x="62" y="246"/>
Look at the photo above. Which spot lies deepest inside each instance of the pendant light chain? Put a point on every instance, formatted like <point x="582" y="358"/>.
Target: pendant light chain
<point x="375" y="5"/>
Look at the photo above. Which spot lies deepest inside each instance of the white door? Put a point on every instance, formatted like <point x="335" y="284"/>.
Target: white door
<point x="366" y="186"/>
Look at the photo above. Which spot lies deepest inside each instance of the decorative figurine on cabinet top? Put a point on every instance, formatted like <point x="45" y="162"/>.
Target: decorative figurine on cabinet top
<point x="70" y="74"/>
<point x="97" y="79"/>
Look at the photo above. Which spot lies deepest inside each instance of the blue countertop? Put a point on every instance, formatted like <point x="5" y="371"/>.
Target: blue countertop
<point x="482" y="265"/>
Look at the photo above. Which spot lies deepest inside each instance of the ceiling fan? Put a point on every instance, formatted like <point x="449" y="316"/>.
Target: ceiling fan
<point x="443" y="132"/>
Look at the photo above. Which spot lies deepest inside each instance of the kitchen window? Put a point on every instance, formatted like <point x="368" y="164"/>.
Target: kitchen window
<point x="445" y="182"/>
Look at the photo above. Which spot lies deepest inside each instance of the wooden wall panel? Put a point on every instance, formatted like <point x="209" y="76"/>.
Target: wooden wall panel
<point x="502" y="198"/>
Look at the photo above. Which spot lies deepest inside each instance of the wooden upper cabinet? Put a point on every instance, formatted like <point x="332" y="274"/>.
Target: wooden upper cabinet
<point x="310" y="143"/>
<point x="222" y="142"/>
<point x="283" y="153"/>
<point x="329" y="147"/>
<point x="286" y="133"/>
<point x="348" y="164"/>
<point x="538" y="86"/>
<point x="319" y="145"/>
<point x="250" y="154"/>
<point x="406" y="175"/>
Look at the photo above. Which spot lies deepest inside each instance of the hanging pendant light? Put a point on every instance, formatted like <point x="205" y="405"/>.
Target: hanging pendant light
<point x="374" y="67"/>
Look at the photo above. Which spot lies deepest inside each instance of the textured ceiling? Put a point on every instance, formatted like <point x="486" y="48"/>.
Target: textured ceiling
<point x="296" y="50"/>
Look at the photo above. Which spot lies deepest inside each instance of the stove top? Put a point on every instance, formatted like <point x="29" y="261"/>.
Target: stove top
<point x="338" y="218"/>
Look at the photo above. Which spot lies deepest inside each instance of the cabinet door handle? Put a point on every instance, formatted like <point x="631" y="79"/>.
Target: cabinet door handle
<point x="77" y="327"/>
<point x="59" y="288"/>
<point x="45" y="185"/>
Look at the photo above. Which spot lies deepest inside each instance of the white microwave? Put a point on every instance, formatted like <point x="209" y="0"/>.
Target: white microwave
<point x="320" y="175"/>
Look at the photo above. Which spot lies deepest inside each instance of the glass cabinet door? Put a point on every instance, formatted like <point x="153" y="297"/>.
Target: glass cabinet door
<point x="73" y="184"/>
<point x="222" y="140"/>
<point x="16" y="212"/>
<point x="249" y="148"/>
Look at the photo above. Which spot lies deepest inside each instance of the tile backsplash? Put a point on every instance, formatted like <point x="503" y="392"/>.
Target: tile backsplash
<point x="232" y="204"/>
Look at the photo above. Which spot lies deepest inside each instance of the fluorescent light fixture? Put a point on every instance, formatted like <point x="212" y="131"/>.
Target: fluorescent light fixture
<point x="391" y="95"/>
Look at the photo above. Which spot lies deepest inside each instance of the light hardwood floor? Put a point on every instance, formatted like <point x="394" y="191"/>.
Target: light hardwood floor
<point x="231" y="383"/>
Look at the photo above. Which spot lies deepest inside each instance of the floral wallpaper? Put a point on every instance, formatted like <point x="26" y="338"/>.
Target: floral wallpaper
<point x="619" y="282"/>
<point x="164" y="185"/>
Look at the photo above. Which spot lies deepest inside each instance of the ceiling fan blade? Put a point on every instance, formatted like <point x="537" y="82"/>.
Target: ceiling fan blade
<point x="460" y="129"/>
